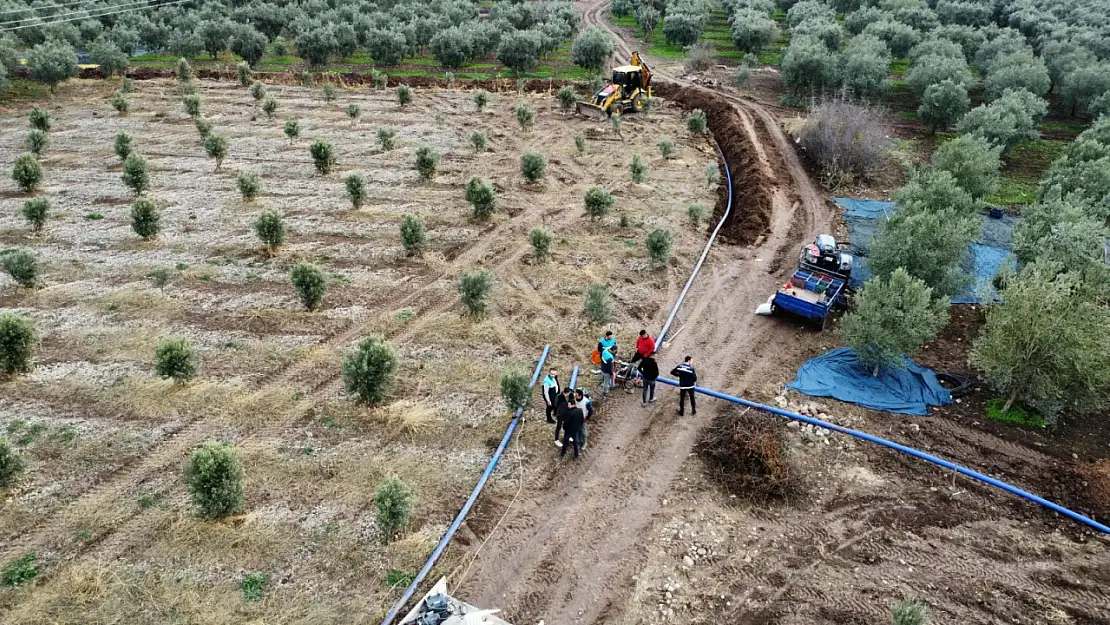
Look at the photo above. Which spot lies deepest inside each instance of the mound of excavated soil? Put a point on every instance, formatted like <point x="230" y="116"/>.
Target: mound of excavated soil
<point x="751" y="191"/>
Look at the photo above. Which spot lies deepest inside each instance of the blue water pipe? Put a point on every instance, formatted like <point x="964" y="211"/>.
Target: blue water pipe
<point x="986" y="479"/>
<point x="443" y="542"/>
<point x="573" y="377"/>
<point x="704" y="253"/>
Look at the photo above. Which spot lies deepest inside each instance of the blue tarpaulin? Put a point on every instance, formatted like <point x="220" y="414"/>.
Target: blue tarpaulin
<point x="839" y="374"/>
<point x="985" y="256"/>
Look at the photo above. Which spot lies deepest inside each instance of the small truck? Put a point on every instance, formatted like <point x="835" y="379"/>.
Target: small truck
<point x="809" y="293"/>
<point x="818" y="284"/>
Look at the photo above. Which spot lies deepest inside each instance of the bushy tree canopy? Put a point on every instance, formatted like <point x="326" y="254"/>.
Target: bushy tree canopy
<point x="892" y="317"/>
<point x="752" y="30"/>
<point x="52" y="62"/>
<point x="1045" y="345"/>
<point x="592" y="49"/>
<point x="943" y="104"/>
<point x="973" y="162"/>
<point x="1008" y="120"/>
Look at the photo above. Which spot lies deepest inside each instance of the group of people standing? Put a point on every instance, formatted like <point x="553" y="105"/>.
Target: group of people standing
<point x="571" y="409"/>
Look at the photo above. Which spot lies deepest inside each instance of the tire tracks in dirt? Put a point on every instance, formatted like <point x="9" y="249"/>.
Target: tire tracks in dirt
<point x="115" y="488"/>
<point x="568" y="555"/>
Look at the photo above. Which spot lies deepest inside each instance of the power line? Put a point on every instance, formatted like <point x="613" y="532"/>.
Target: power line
<point x="93" y="15"/>
<point x="83" y="13"/>
<point x="55" y="6"/>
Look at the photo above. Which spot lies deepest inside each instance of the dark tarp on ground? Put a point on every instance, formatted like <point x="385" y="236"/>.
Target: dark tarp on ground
<point x="839" y="374"/>
<point x="985" y="256"/>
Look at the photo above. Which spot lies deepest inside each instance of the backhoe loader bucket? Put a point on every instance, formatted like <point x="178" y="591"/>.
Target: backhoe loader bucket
<point x="587" y="109"/>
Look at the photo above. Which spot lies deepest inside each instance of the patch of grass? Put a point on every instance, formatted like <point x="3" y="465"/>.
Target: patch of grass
<point x="151" y="499"/>
<point x="1016" y="414"/>
<point x="899" y="66"/>
<point x="253" y="584"/>
<point x="395" y="578"/>
<point x="31" y="434"/>
<point x="82" y="536"/>
<point x="772" y="54"/>
<point x="1023" y="169"/>
<point x="94" y="216"/>
<point x="1012" y="192"/>
<point x="19" y="572"/>
<point x="1072" y="127"/>
<point x="908" y="115"/>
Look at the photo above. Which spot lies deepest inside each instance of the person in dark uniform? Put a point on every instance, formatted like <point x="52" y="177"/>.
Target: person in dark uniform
<point x="687" y="378"/>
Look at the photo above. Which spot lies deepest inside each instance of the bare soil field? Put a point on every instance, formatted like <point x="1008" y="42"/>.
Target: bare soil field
<point x="637" y="533"/>
<point x="102" y="506"/>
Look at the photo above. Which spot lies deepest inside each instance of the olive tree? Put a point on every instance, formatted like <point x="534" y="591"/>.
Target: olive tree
<point x="929" y="245"/>
<point x="864" y="67"/>
<point x="1083" y="86"/>
<point x="52" y="62"/>
<point x="22" y="266"/>
<point x="145" y="219"/>
<point x="17" y="344"/>
<point x="35" y="212"/>
<point x="598" y="202"/>
<point x="109" y="57"/>
<point x="482" y="197"/>
<point x="892" y="317"/>
<point x="591" y="49"/>
<point x="215" y="145"/>
<point x="1017" y="71"/>
<point x="973" y="162"/>
<point x="176" y="358"/>
<point x="808" y="66"/>
<point x="1046" y="346"/>
<point x="386" y="46"/>
<point x="310" y="283"/>
<point x="452" y="47"/>
<point x="520" y="51"/>
<point x="413" y="234"/>
<point x="427" y="160"/>
<point x="136" y="173"/>
<point x="270" y="228"/>
<point x="932" y="69"/>
<point x="249" y="44"/>
<point x="369" y="370"/>
<point x="683" y="28"/>
<point x="1006" y="121"/>
<point x="752" y="30"/>
<point x="315" y="45"/>
<point x="943" y="104"/>
<point x="27" y="172"/>
<point x="474" y="289"/>
<point x="323" y="156"/>
<point x="215" y="481"/>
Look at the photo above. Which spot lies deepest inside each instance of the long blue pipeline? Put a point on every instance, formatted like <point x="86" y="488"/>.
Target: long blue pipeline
<point x="906" y="450"/>
<point x="704" y="253"/>
<point x="443" y="542"/>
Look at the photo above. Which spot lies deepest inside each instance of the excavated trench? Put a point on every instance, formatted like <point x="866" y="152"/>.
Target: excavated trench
<point x="751" y="191"/>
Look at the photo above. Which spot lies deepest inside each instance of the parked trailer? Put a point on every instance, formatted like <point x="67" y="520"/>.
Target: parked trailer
<point x="810" y="293"/>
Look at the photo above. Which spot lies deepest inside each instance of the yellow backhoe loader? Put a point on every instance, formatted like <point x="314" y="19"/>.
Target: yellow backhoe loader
<point x="626" y="91"/>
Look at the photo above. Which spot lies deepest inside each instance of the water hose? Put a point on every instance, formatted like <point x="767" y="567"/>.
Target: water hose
<point x="447" y="536"/>
<point x="704" y="254"/>
<point x="986" y="479"/>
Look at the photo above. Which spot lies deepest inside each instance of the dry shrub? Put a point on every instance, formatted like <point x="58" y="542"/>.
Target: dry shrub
<point x="700" y="58"/>
<point x="745" y="452"/>
<point x="847" y="141"/>
<point x="412" y="418"/>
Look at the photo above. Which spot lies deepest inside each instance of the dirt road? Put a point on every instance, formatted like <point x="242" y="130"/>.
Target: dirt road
<point x="569" y="552"/>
